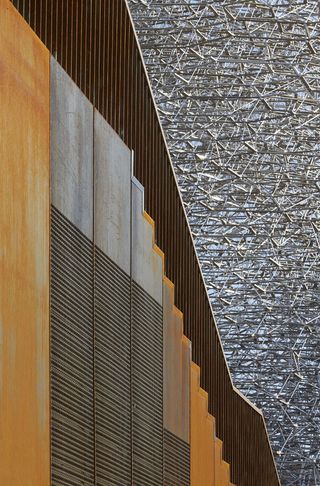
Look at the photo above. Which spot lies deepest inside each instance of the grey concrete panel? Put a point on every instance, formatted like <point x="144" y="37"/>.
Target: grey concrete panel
<point x="176" y="368"/>
<point x="147" y="263"/>
<point x="112" y="167"/>
<point x="71" y="150"/>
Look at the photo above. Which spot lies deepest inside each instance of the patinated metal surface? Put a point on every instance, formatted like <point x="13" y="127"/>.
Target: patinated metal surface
<point x="24" y="254"/>
<point x="112" y="306"/>
<point x="202" y="465"/>
<point x="176" y="368"/>
<point x="71" y="148"/>
<point x="112" y="193"/>
<point x="147" y="264"/>
<point x="95" y="43"/>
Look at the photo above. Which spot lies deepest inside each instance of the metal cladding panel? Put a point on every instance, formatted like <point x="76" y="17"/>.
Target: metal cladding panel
<point x="24" y="254"/>
<point x="147" y="264"/>
<point x="95" y="42"/>
<point x="112" y="373"/>
<point x="186" y="387"/>
<point x="112" y="183"/>
<point x="147" y="396"/>
<point x="176" y="368"/>
<point x="202" y="435"/>
<point x="221" y="468"/>
<point x="112" y="207"/>
<point x="72" y="399"/>
<point x="176" y="461"/>
<point x="71" y="150"/>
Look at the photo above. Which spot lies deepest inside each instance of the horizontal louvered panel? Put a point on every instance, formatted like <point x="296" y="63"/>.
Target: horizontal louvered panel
<point x="147" y="392"/>
<point x="112" y="373"/>
<point x="72" y="432"/>
<point x="176" y="461"/>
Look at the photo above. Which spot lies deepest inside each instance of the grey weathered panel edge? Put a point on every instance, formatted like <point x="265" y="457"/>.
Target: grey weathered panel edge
<point x="112" y="186"/>
<point x="147" y="264"/>
<point x="71" y="149"/>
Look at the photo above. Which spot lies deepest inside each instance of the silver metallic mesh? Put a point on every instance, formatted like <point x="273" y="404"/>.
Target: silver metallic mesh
<point x="238" y="88"/>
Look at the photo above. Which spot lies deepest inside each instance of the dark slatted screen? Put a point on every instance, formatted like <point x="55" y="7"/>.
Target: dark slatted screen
<point x="176" y="461"/>
<point x="112" y="373"/>
<point x="147" y="396"/>
<point x="71" y="354"/>
<point x="100" y="328"/>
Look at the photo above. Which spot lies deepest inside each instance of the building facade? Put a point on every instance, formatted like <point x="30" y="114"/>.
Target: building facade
<point x="112" y="370"/>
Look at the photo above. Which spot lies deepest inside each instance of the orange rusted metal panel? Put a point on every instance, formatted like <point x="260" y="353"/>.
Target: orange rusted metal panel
<point x="95" y="42"/>
<point x="24" y="254"/>
<point x="222" y="472"/>
<point x="221" y="467"/>
<point x="176" y="367"/>
<point x="207" y="465"/>
<point x="202" y="434"/>
<point x="217" y="461"/>
<point x="186" y="385"/>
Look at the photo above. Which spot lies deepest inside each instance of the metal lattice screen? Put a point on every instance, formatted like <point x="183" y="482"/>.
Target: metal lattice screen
<point x="237" y="86"/>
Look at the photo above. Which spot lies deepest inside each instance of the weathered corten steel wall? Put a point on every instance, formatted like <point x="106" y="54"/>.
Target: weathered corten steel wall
<point x="176" y="371"/>
<point x="202" y="434"/>
<point x="24" y="254"/>
<point x="206" y="449"/>
<point x="96" y="44"/>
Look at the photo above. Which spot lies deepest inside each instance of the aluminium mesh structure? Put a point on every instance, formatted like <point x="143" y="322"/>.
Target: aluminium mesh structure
<point x="238" y="88"/>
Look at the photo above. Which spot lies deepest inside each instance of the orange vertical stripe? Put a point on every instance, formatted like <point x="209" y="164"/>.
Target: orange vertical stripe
<point x="202" y="434"/>
<point x="24" y="254"/>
